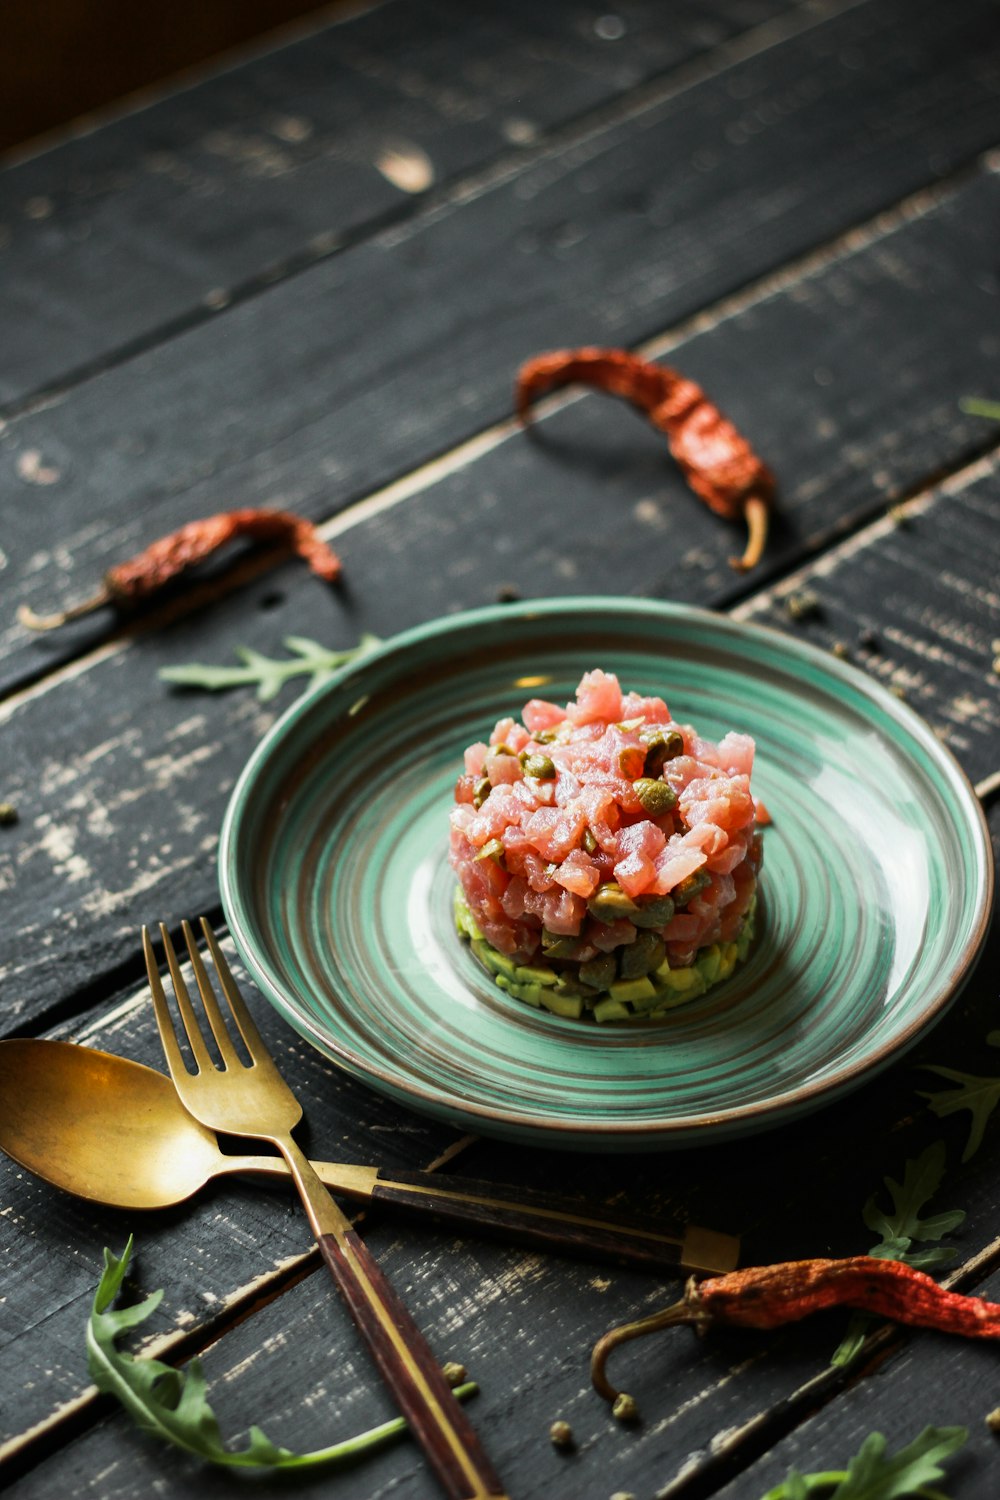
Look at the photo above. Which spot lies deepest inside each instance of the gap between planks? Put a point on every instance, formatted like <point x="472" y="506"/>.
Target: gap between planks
<point x="394" y="224"/>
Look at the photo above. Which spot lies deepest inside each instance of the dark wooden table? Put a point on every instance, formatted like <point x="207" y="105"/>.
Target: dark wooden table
<point x="308" y="281"/>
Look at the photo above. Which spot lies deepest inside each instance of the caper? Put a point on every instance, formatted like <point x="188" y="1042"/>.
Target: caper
<point x="539" y="766"/>
<point x="631" y="760"/>
<point x="690" y="887"/>
<point x="609" y="902"/>
<point x="657" y="797"/>
<point x="598" y="973"/>
<point x="481" y="791"/>
<point x="654" y="911"/>
<point x="492" y="849"/>
<point x="663" y="745"/>
<point x="641" y="957"/>
<point x="590" y="844"/>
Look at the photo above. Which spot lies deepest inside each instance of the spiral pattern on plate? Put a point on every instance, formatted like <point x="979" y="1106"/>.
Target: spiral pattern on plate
<point x="873" y="897"/>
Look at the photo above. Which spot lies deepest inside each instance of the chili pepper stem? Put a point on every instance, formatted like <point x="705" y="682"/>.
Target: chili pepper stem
<point x="755" y="512"/>
<point x="31" y="621"/>
<point x="667" y="1317"/>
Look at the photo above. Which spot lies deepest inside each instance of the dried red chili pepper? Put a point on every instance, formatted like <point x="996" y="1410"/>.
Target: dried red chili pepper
<point x="716" y="460"/>
<point x="769" y="1296"/>
<point x="142" y="576"/>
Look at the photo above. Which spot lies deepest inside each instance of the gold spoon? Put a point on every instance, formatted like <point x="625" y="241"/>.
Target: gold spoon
<point x="115" y="1132"/>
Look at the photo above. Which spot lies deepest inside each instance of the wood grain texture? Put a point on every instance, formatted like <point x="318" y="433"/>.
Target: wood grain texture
<point x="122" y="784"/>
<point x="523" y="1326"/>
<point x="248" y="175"/>
<point x="449" y="1440"/>
<point x="330" y="384"/>
<point x="222" y="1251"/>
<point x="818" y="1176"/>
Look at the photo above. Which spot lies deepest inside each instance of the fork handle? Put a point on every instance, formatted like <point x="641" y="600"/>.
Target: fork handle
<point x="410" y="1370"/>
<point x="396" y="1344"/>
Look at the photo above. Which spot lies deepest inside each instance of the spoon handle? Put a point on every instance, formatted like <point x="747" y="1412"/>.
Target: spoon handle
<point x="539" y="1220"/>
<point x="546" y="1222"/>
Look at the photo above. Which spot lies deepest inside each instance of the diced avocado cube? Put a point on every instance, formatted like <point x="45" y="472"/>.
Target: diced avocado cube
<point x="611" y="1010"/>
<point x="465" y="922"/>
<point x="535" y="974"/>
<point x="680" y="980"/>
<point x="498" y="962"/>
<point x="531" y="994"/>
<point x="631" y="989"/>
<point x="501" y="981"/>
<point x="570" y="1006"/>
<point x="709" y="963"/>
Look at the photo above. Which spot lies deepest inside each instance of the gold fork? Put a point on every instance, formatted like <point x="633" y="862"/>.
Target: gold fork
<point x="256" y="1101"/>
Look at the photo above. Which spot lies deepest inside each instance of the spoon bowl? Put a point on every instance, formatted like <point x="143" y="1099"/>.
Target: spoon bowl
<point x="66" y="1113"/>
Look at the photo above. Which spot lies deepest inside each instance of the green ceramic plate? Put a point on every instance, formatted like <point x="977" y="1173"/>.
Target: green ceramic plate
<point x="335" y="880"/>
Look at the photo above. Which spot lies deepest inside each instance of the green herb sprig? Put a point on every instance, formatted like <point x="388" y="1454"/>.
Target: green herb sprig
<point x="875" y="1475"/>
<point x="308" y="658"/>
<point x="171" y="1404"/>
<point x="979" y="1095"/>
<point x="904" y="1225"/>
<point x="977" y="407"/>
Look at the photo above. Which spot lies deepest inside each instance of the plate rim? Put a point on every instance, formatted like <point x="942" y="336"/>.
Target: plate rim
<point x="558" y="1131"/>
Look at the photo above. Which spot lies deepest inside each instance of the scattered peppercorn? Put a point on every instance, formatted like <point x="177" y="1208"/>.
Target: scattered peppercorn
<point x="717" y="461"/>
<point x="993" y="1420"/>
<point x="801" y="605"/>
<point x="840" y="650"/>
<point x="455" y="1374"/>
<point x="625" y="1408"/>
<point x="561" y="1435"/>
<point x="8" y="814"/>
<point x="898" y="691"/>
<point x="507" y="593"/>
<point x="867" y="639"/>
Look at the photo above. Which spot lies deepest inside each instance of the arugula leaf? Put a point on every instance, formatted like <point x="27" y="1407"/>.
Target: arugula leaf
<point x="900" y="1228"/>
<point x="978" y="1095"/>
<point x="921" y="1180"/>
<point x="872" y="1475"/>
<point x="977" y="407"/>
<point x="270" y="675"/>
<point x="171" y="1404"/>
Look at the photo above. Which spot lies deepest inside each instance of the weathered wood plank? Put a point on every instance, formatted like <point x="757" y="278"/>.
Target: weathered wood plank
<point x="96" y="849"/>
<point x="818" y="1176"/>
<point x="332" y="383"/>
<point x="256" y="171"/>
<point x="524" y="1324"/>
<point x="933" y="1381"/>
<point x="223" y="1251"/>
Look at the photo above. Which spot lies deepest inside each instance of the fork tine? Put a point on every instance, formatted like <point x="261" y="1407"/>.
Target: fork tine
<point x="255" y="1043"/>
<point x="199" y="1050"/>
<point x="164" y="1020"/>
<point x="217" y="1021"/>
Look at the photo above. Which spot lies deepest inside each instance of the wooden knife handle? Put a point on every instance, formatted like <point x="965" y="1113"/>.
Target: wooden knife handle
<point x="410" y="1371"/>
<point x="547" y="1222"/>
